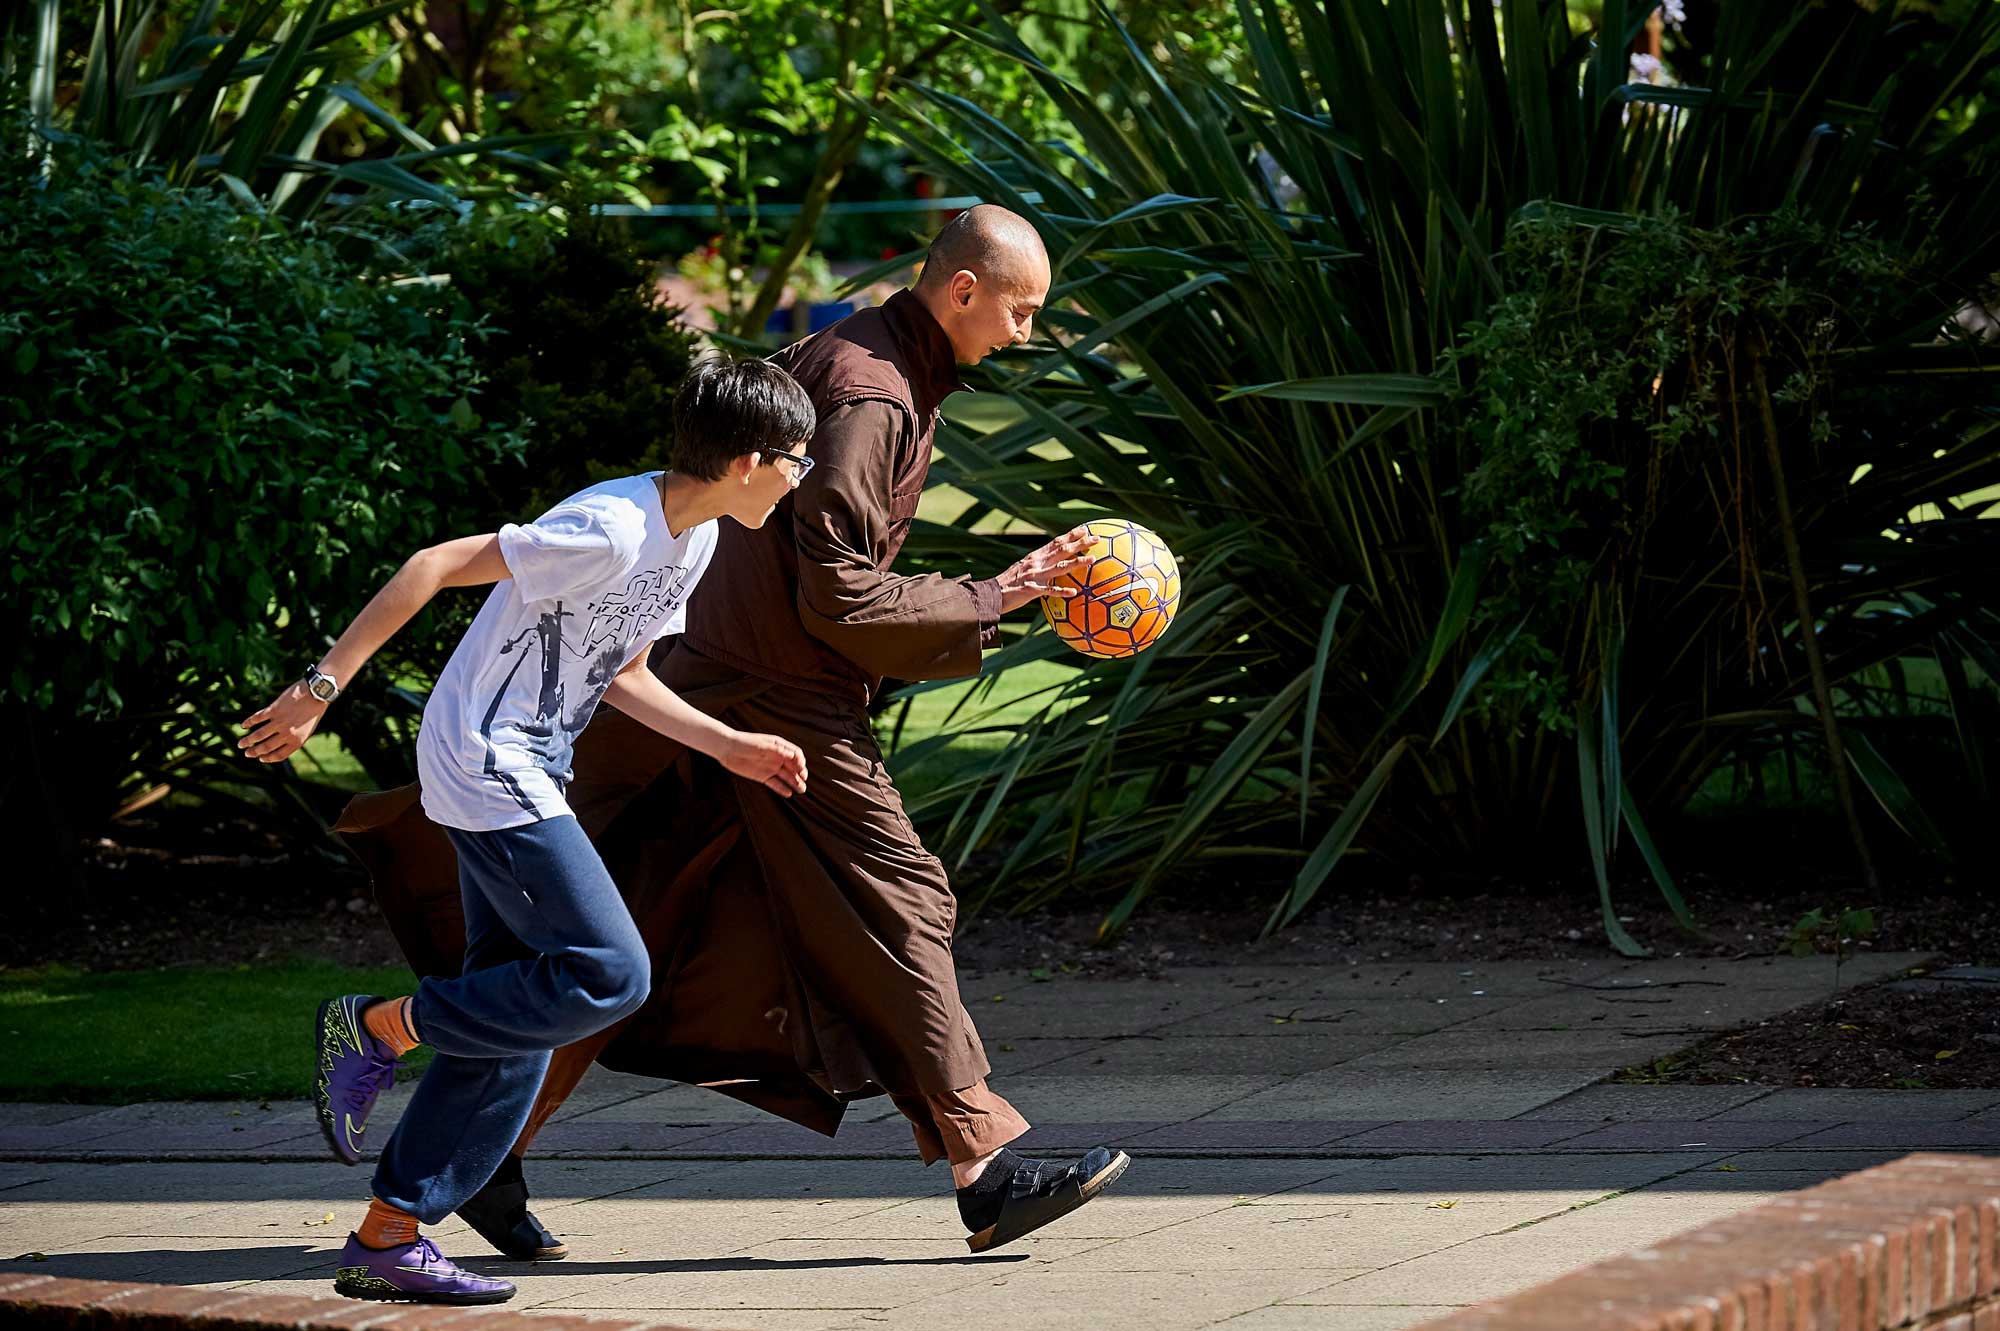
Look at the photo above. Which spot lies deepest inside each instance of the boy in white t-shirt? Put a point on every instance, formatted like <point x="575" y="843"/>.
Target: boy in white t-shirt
<point x="552" y="954"/>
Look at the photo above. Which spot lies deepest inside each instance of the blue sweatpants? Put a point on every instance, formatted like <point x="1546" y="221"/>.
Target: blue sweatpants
<point x="551" y="955"/>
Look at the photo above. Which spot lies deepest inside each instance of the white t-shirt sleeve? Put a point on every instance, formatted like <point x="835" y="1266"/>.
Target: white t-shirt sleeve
<point x="575" y="547"/>
<point x="702" y="548"/>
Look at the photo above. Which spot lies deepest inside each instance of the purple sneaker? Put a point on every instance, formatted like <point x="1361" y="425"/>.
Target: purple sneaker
<point x="354" y="1068"/>
<point x="415" y="1273"/>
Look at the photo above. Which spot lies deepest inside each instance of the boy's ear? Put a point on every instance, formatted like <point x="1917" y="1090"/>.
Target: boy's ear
<point x="742" y="467"/>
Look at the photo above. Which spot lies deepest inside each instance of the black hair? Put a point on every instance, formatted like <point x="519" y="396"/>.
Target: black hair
<point x="728" y="407"/>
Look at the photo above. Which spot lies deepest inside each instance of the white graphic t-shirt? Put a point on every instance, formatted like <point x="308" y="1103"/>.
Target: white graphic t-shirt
<point x="595" y="579"/>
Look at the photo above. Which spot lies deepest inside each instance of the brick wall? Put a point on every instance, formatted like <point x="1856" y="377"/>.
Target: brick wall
<point x="1911" y="1244"/>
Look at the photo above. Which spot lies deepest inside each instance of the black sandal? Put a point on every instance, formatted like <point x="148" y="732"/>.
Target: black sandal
<point x="499" y="1214"/>
<point x="1043" y="1190"/>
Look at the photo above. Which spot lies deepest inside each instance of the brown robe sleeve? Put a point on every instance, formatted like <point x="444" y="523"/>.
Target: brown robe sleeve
<point x="849" y="516"/>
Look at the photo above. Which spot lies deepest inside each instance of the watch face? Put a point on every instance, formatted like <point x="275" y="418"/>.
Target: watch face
<point x="322" y="688"/>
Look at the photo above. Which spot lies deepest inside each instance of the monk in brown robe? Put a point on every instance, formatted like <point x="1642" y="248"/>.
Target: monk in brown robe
<point x="801" y="948"/>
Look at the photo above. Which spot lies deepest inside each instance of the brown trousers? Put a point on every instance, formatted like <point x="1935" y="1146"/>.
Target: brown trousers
<point x="801" y="947"/>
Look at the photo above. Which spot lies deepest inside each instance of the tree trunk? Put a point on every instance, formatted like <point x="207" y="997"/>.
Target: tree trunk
<point x="844" y="142"/>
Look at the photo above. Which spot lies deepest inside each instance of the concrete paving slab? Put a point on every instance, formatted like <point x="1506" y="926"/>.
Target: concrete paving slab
<point x="1249" y="1135"/>
<point x="1498" y="1264"/>
<point x="1694" y="1134"/>
<point x="1793" y="1158"/>
<point x="1468" y="1135"/>
<point x="1447" y="979"/>
<point x="673" y="1103"/>
<point x="1308" y="1013"/>
<point x="1907" y="1136"/>
<point x="1098" y="1009"/>
<point x="817" y="1273"/>
<point x="21" y="1176"/>
<point x="1156" y="1300"/>
<point x="1248" y="1238"/>
<point x="1067" y="1139"/>
<point x="613" y="1136"/>
<point x="1492" y="1050"/>
<point x="1161" y="1097"/>
<point x="189" y="1184"/>
<point x="1641" y="1010"/>
<point x="183" y="1261"/>
<point x="1302" y="1315"/>
<point x="1211" y="1055"/>
<point x="1455" y="1176"/>
<point x="1393" y="1095"/>
<point x="31" y="1115"/>
<point x="739" y="1319"/>
<point x="1621" y="1103"/>
<point x="1028" y="1053"/>
<point x="1850" y="1105"/>
<point x="1762" y="1184"/>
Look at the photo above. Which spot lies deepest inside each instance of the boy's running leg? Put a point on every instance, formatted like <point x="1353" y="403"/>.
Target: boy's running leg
<point x="552" y="956"/>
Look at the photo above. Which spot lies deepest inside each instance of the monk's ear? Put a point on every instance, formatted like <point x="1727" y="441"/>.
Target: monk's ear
<point x="962" y="284"/>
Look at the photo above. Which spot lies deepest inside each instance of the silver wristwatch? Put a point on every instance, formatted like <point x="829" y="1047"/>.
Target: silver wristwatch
<point x="321" y="685"/>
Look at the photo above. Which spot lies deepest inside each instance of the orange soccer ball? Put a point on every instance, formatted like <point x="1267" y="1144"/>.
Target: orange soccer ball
<point x="1129" y="592"/>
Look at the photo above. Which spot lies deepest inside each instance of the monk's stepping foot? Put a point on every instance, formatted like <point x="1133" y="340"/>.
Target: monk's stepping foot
<point x="1016" y="1196"/>
<point x="499" y="1214"/>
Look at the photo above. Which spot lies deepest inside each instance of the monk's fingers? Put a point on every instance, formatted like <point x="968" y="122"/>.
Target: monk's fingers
<point x="779" y="787"/>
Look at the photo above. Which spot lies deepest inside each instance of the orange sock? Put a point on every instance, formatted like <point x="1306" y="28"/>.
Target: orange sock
<point x="386" y="1227"/>
<point x="389" y="1022"/>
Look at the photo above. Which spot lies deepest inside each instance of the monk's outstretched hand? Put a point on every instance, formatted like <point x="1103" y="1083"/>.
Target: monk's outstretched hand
<point x="1034" y="577"/>
<point x="777" y="763"/>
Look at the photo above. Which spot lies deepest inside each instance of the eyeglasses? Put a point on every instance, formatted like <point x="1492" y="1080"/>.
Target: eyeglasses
<point x="801" y="465"/>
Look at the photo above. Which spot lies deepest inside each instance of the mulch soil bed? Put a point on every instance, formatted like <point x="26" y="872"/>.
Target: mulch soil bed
<point x="157" y="894"/>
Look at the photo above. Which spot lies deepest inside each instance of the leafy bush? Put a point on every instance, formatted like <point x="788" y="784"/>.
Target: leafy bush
<point x="578" y="346"/>
<point x="219" y="438"/>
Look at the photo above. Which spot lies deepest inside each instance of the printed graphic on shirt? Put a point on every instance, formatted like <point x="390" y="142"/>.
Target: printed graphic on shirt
<point x="613" y="627"/>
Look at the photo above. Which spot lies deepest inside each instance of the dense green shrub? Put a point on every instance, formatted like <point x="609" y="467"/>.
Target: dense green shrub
<point x="578" y="345"/>
<point x="1620" y="408"/>
<point x="218" y="439"/>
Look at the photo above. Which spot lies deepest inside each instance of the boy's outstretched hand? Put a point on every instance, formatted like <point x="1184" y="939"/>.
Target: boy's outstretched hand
<point x="776" y="762"/>
<point x="280" y="730"/>
<point x="1034" y="577"/>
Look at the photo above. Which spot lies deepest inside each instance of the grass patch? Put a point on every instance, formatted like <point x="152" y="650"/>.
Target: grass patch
<point x="1006" y="701"/>
<point x="127" y="1036"/>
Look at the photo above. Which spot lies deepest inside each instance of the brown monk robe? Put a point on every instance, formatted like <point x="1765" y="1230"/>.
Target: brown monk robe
<point x="801" y="948"/>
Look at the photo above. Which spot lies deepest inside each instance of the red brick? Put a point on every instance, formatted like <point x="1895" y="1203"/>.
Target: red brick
<point x="64" y="1293"/>
<point x="1913" y="1242"/>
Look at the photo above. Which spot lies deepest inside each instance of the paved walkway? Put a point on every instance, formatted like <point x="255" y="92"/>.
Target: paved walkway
<point x="1357" y="1147"/>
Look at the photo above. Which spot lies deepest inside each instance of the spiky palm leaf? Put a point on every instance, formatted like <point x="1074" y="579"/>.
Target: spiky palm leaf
<point x="1274" y="413"/>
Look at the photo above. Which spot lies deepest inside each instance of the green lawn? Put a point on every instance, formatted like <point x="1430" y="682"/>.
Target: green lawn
<point x="177" y="1034"/>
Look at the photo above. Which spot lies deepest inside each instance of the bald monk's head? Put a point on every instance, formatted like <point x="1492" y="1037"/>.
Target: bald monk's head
<point x="984" y="281"/>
